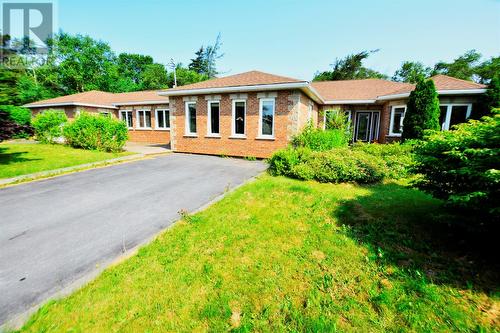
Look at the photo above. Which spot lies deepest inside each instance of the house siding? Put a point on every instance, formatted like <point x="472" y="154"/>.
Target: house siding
<point x="286" y="123"/>
<point x="152" y="135"/>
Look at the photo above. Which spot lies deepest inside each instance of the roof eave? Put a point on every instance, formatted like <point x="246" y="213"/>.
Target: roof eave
<point x="70" y="104"/>
<point x="141" y="103"/>
<point x="350" y="101"/>
<point x="440" y="92"/>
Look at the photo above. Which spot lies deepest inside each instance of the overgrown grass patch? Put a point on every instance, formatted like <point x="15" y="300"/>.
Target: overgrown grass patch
<point x="18" y="159"/>
<point x="285" y="255"/>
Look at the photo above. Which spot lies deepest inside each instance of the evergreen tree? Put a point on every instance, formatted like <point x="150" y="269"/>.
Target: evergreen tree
<point x="198" y="64"/>
<point x="422" y="111"/>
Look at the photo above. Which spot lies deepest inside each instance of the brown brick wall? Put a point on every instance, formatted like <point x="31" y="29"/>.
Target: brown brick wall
<point x="147" y="135"/>
<point x="225" y="145"/>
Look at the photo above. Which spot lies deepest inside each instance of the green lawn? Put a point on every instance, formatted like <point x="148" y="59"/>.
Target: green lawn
<point x="284" y="255"/>
<point x="20" y="159"/>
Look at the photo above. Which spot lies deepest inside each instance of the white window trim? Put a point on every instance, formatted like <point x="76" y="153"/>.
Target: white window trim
<point x="138" y="122"/>
<point x="391" y="133"/>
<point x="156" y="119"/>
<point x="126" y="120"/>
<point x="233" y="119"/>
<point x="209" y="118"/>
<point x="261" y="102"/>
<point x="446" y="125"/>
<point x="186" y="120"/>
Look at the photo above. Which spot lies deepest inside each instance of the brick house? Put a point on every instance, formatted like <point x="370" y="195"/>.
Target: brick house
<point x="255" y="113"/>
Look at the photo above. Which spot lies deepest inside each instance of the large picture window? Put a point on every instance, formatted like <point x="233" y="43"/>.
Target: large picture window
<point x="143" y="119"/>
<point x="126" y="116"/>
<point x="453" y="114"/>
<point x="266" y="117"/>
<point x="162" y="119"/>
<point x="397" y="116"/>
<point x="239" y="114"/>
<point x="191" y="118"/>
<point x="213" y="118"/>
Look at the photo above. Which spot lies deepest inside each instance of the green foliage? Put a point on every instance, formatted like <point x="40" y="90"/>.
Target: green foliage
<point x="319" y="140"/>
<point x="28" y="90"/>
<point x="422" y="112"/>
<point x="350" y="68"/>
<point x="95" y="132"/>
<point x="411" y="72"/>
<point x="185" y="76"/>
<point x="490" y="100"/>
<point x="462" y="166"/>
<point x="9" y="129"/>
<point x="18" y="114"/>
<point x="461" y="68"/>
<point x="206" y="57"/>
<point x="332" y="166"/>
<point x="48" y="125"/>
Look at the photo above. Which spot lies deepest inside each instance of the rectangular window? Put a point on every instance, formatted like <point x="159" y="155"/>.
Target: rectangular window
<point x="191" y="118"/>
<point x="162" y="119"/>
<point x="453" y="114"/>
<point x="143" y="119"/>
<point x="105" y="114"/>
<point x="213" y="118"/>
<point x="397" y="116"/>
<point x="266" y="117"/>
<point x="126" y="116"/>
<point x="239" y="110"/>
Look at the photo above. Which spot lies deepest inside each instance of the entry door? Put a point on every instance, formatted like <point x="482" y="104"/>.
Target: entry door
<point x="367" y="126"/>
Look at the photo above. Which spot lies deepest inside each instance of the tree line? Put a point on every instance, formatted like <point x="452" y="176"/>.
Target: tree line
<point x="77" y="63"/>
<point x="468" y="66"/>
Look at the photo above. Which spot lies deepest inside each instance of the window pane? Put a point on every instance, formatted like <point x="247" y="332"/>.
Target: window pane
<point x="192" y="118"/>
<point x="160" y="119"/>
<point x="267" y="117"/>
<point x="239" y="115"/>
<point x="363" y="120"/>
<point x="167" y="118"/>
<point x="398" y="120"/>
<point x="141" y="118"/>
<point x="442" y="115"/>
<point x="458" y="115"/>
<point x="129" y="118"/>
<point x="147" y="115"/>
<point x="214" y="118"/>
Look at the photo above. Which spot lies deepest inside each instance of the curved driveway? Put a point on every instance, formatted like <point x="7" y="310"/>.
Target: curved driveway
<point x="55" y="231"/>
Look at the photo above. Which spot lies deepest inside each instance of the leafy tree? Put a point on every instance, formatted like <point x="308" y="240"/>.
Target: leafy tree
<point x="350" y="68"/>
<point x="463" y="67"/>
<point x="488" y="69"/>
<point x="490" y="100"/>
<point x="411" y="72"/>
<point x="154" y="76"/>
<point x="185" y="76"/>
<point x="205" y="62"/>
<point x="132" y="66"/>
<point x="422" y="111"/>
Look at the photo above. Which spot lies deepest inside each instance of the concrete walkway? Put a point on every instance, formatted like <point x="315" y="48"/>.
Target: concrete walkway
<point x="55" y="232"/>
<point x="147" y="148"/>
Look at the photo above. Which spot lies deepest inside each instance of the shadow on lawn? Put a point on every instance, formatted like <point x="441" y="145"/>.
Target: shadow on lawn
<point x="408" y="228"/>
<point x="10" y="158"/>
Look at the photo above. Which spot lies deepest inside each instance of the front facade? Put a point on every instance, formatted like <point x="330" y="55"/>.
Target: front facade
<point x="253" y="114"/>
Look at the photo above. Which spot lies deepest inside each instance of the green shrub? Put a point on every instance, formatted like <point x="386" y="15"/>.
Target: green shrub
<point x="95" y="132"/>
<point x="333" y="166"/>
<point x="21" y="118"/>
<point x="48" y="125"/>
<point x="462" y="166"/>
<point x="320" y="140"/>
<point x="398" y="157"/>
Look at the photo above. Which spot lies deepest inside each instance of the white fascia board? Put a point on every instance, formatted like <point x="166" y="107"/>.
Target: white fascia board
<point x="259" y="87"/>
<point x="351" y="101"/>
<point x="440" y="92"/>
<point x="70" y="104"/>
<point x="141" y="103"/>
<point x="313" y="94"/>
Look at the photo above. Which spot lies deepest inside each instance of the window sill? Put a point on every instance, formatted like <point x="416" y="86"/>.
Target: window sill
<point x="144" y="129"/>
<point x="162" y="129"/>
<point x="190" y="135"/>
<point x="394" y="135"/>
<point x="238" y="137"/>
<point x="213" y="136"/>
<point x="270" y="138"/>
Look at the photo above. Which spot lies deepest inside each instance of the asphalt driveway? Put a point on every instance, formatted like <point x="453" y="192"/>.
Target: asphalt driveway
<point x="56" y="231"/>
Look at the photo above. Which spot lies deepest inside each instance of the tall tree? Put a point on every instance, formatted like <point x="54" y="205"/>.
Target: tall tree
<point x="185" y="76"/>
<point x="132" y="66"/>
<point x="350" y="68"/>
<point x="198" y="64"/>
<point x="411" y="72"/>
<point x="154" y="76"/>
<point x="463" y="67"/>
<point x="422" y="111"/>
<point x="205" y="60"/>
<point x="488" y="69"/>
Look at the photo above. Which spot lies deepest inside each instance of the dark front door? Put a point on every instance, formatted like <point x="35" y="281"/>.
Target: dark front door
<point x="367" y="126"/>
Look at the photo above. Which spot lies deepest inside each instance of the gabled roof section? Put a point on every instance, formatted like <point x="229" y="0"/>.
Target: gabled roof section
<point x="252" y="78"/>
<point x="102" y="99"/>
<point x="367" y="90"/>
<point x="445" y="82"/>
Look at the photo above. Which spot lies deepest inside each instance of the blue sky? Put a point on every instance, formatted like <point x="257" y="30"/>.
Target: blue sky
<point x="293" y="38"/>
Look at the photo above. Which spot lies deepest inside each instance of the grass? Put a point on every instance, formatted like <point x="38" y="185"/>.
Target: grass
<point x="284" y="255"/>
<point x="18" y="159"/>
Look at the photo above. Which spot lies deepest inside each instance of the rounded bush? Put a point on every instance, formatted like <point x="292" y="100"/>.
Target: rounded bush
<point x="96" y="132"/>
<point x="49" y="125"/>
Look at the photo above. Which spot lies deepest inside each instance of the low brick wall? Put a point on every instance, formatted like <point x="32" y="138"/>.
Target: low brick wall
<point x="149" y="136"/>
